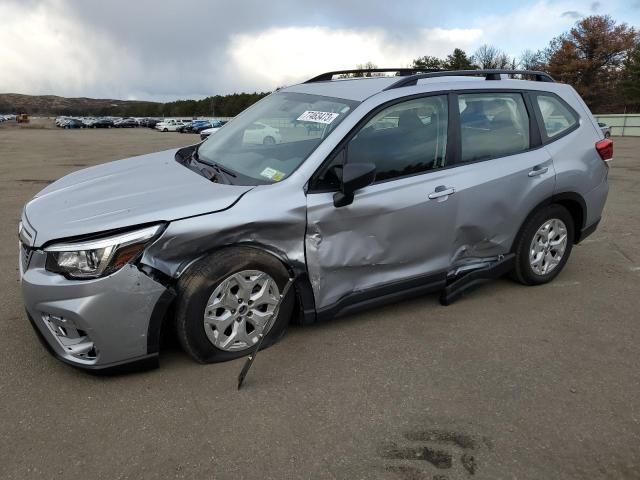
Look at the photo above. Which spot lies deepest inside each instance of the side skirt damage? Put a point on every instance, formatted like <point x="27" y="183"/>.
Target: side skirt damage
<point x="465" y="279"/>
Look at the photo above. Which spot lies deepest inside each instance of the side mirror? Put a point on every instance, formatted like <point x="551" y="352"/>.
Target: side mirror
<point x="354" y="177"/>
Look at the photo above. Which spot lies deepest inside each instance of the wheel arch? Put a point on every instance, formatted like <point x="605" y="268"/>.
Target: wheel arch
<point x="304" y="292"/>
<point x="572" y="201"/>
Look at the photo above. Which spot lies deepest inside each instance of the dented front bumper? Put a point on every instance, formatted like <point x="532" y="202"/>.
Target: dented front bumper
<point x="94" y="324"/>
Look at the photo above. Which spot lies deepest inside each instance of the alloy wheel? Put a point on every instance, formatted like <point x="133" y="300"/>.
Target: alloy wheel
<point x="548" y="246"/>
<point x="238" y="309"/>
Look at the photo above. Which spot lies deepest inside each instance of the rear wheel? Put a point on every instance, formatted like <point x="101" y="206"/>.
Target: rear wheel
<point x="544" y="246"/>
<point x="226" y="299"/>
<point x="607" y="135"/>
<point x="269" y="141"/>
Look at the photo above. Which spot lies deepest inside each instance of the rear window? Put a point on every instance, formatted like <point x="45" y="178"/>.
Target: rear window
<point x="492" y="125"/>
<point x="557" y="117"/>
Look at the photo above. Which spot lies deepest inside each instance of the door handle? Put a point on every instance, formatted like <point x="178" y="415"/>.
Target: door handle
<point x="538" y="171"/>
<point x="441" y="191"/>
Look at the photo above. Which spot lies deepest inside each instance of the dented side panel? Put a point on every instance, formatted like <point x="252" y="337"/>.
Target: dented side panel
<point x="494" y="199"/>
<point x="391" y="231"/>
<point x="271" y="217"/>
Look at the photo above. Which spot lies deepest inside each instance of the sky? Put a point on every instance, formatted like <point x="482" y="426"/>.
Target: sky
<point x="166" y="50"/>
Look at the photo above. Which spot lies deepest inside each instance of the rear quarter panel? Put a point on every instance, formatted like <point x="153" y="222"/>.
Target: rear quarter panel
<point x="579" y="168"/>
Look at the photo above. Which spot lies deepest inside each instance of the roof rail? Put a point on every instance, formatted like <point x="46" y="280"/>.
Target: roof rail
<point x="401" y="72"/>
<point x="488" y="74"/>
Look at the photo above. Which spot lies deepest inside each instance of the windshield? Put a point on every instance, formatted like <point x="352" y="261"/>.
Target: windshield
<point x="268" y="141"/>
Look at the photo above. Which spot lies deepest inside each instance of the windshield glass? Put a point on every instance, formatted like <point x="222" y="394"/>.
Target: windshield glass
<point x="272" y="138"/>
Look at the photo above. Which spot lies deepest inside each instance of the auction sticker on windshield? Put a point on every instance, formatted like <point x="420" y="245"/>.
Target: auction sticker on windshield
<point x="318" y="117"/>
<point x="272" y="174"/>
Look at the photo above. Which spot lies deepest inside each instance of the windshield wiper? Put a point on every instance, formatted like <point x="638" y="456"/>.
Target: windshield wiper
<point x="217" y="172"/>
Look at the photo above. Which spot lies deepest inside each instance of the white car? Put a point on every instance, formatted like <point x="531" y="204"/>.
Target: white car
<point x="204" y="134"/>
<point x="169" y="125"/>
<point x="261" y="134"/>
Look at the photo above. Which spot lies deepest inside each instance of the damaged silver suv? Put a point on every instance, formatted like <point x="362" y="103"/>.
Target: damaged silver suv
<point x="361" y="190"/>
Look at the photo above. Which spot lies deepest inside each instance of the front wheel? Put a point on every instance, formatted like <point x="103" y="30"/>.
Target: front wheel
<point x="226" y="299"/>
<point x="269" y="141"/>
<point x="544" y="245"/>
<point x="607" y="135"/>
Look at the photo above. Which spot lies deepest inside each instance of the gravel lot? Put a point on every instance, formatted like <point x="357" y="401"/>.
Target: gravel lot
<point x="509" y="382"/>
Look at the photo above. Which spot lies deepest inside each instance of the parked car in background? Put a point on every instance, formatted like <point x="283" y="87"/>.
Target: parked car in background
<point x="149" y="122"/>
<point x="195" y="126"/>
<point x="126" y="123"/>
<point x="184" y="128"/>
<point x="207" y="132"/>
<point x="102" y="123"/>
<point x="169" y="125"/>
<point x="260" y="133"/>
<point x="74" y="123"/>
<point x="209" y="124"/>
<point x="606" y="129"/>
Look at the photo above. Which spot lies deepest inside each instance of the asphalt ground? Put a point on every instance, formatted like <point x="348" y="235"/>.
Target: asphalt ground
<point x="509" y="382"/>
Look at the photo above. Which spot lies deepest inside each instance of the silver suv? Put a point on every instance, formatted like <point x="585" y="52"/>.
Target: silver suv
<point x="361" y="190"/>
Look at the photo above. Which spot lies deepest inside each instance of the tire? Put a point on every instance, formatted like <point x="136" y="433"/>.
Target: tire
<point x="607" y="135"/>
<point x="197" y="285"/>
<point x="165" y="130"/>
<point x="269" y="141"/>
<point x="524" y="271"/>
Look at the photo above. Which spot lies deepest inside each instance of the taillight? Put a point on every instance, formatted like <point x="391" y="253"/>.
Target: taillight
<point x="605" y="149"/>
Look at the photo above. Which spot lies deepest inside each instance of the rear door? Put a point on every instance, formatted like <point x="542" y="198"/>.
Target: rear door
<point x="502" y="172"/>
<point x="397" y="233"/>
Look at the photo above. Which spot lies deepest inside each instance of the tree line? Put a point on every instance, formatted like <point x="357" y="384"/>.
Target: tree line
<point x="215" y="106"/>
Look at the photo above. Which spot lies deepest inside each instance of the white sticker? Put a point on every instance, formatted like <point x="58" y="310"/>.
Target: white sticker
<point x="318" y="117"/>
<point x="272" y="174"/>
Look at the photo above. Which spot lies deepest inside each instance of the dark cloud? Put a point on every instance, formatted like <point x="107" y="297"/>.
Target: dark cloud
<point x="571" y="14"/>
<point x="187" y="41"/>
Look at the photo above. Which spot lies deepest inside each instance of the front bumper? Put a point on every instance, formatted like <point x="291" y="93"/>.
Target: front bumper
<point x="94" y="324"/>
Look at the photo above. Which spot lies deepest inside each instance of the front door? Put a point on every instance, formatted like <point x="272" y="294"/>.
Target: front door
<point x="398" y="232"/>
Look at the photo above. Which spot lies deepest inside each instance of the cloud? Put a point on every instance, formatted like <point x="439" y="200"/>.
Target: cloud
<point x="595" y="6"/>
<point x="43" y="49"/>
<point x="281" y="56"/>
<point x="527" y="28"/>
<point x="192" y="49"/>
<point x="571" y="14"/>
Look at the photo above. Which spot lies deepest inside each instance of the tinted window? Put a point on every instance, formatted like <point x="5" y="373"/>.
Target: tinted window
<point x="404" y="139"/>
<point x="492" y="125"/>
<point x="557" y="117"/>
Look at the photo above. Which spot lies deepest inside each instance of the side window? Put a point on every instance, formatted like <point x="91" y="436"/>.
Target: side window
<point x="556" y="116"/>
<point x="404" y="139"/>
<point x="492" y="125"/>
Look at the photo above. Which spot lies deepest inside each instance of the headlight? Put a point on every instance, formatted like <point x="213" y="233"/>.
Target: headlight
<point x="96" y="258"/>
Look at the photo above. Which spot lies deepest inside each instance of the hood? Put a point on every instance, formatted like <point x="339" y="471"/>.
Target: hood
<point x="138" y="190"/>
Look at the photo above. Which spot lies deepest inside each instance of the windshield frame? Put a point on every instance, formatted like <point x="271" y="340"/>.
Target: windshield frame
<point x="253" y="181"/>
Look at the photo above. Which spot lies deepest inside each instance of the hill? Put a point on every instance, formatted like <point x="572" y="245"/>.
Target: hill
<point x="52" y="105"/>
